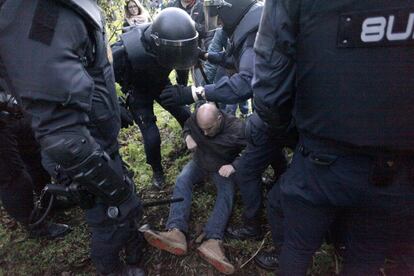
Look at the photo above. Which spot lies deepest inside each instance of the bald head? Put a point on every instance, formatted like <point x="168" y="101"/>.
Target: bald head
<point x="209" y="119"/>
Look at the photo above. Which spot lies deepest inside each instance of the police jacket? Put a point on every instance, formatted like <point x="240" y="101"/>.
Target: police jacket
<point x="135" y="65"/>
<point x="53" y="55"/>
<point x="343" y="69"/>
<point x="240" y="54"/>
<point x="218" y="43"/>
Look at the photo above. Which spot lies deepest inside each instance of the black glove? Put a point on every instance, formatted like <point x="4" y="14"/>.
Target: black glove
<point x="202" y="54"/>
<point x="174" y="95"/>
<point x="126" y="117"/>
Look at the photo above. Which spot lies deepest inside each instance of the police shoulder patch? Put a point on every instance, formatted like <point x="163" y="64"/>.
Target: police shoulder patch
<point x="44" y="22"/>
<point x="381" y="28"/>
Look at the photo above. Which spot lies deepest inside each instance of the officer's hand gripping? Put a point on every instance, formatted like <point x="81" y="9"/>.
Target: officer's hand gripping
<point x="174" y="95"/>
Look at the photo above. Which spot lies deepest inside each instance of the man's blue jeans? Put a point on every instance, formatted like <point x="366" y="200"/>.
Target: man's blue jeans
<point x="180" y="212"/>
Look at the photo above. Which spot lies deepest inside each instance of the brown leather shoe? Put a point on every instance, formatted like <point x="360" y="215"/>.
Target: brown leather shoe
<point x="172" y="241"/>
<point x="212" y="251"/>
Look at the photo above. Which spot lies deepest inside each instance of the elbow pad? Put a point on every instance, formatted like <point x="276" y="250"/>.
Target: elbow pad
<point x="82" y="160"/>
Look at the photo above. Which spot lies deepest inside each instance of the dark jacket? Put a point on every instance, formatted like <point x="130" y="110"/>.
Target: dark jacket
<point x="317" y="61"/>
<point x="63" y="76"/>
<point x="239" y="55"/>
<point x="150" y="78"/>
<point x="213" y="152"/>
<point x="197" y="14"/>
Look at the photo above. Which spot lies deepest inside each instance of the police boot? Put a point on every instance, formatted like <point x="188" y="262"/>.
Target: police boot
<point x="212" y="251"/>
<point x="268" y="260"/>
<point x="158" y="179"/>
<point x="245" y="232"/>
<point x="173" y="241"/>
<point x="49" y="231"/>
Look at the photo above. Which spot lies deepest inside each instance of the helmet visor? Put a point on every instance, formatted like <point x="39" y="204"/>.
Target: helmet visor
<point x="178" y="54"/>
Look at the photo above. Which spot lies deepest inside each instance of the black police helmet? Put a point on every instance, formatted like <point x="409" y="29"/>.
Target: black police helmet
<point x="232" y="15"/>
<point x="176" y="39"/>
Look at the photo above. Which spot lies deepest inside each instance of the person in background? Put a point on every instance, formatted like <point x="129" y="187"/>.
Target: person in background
<point x="135" y="14"/>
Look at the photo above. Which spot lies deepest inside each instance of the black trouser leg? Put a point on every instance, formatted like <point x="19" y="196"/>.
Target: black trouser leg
<point x="16" y="187"/>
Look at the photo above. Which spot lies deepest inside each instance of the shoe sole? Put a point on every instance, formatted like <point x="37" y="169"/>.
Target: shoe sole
<point x="220" y="266"/>
<point x="156" y="240"/>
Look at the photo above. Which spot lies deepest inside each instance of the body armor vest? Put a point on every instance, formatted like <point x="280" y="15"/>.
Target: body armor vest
<point x="80" y="78"/>
<point x="245" y="32"/>
<point x="146" y="75"/>
<point x="354" y="72"/>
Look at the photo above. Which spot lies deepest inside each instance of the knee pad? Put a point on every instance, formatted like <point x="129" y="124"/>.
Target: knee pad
<point x="70" y="149"/>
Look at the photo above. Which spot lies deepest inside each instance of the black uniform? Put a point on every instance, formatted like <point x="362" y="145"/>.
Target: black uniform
<point x="53" y="56"/>
<point x="238" y="57"/>
<point x="344" y="67"/>
<point x="143" y="79"/>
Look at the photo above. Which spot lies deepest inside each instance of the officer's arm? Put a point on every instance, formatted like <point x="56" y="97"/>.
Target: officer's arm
<point x="54" y="79"/>
<point x="273" y="81"/>
<point x="120" y="61"/>
<point x="236" y="88"/>
<point x="215" y="46"/>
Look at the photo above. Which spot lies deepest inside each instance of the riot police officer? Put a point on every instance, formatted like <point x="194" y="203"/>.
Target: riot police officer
<point x="143" y="60"/>
<point x="54" y="57"/>
<point x="240" y="20"/>
<point x="332" y="66"/>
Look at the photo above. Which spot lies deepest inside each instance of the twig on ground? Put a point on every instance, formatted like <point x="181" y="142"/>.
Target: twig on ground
<point x="257" y="251"/>
<point x="336" y="258"/>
